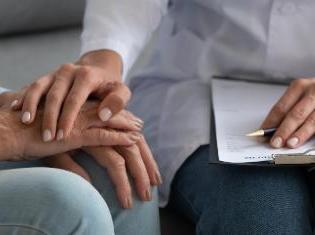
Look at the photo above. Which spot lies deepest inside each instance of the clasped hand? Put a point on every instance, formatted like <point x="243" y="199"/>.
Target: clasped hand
<point x="117" y="146"/>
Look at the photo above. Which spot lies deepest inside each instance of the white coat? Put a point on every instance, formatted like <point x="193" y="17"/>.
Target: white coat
<point x="253" y="39"/>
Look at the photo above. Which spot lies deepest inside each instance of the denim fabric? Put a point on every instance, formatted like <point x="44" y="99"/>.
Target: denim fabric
<point x="242" y="200"/>
<point x="48" y="201"/>
<point x="48" y="214"/>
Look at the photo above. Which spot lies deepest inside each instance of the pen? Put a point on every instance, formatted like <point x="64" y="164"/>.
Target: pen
<point x="262" y="132"/>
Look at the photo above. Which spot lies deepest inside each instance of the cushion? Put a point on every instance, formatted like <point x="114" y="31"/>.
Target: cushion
<point x="18" y="16"/>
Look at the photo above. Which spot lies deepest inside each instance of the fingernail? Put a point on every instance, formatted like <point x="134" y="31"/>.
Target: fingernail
<point x="158" y="178"/>
<point x="59" y="134"/>
<point x="128" y="203"/>
<point x="14" y="103"/>
<point x="148" y="196"/>
<point x="139" y="121"/>
<point x="277" y="142"/>
<point x="105" y="114"/>
<point x="47" y="135"/>
<point x="138" y="125"/>
<point x="26" y="117"/>
<point x="292" y="142"/>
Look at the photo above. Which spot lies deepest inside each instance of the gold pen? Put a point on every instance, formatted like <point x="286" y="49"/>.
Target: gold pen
<point x="262" y="132"/>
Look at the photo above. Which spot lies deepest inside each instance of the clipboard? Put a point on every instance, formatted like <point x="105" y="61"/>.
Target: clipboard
<point x="226" y="92"/>
<point x="305" y="159"/>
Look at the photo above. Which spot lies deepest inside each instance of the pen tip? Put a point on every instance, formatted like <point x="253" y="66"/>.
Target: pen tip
<point x="255" y="133"/>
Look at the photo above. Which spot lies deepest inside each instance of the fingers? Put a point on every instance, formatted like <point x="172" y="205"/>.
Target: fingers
<point x="63" y="79"/>
<point x="295" y="117"/>
<point x="285" y="103"/>
<point x="115" y="101"/>
<point x="149" y="162"/>
<point x="104" y="137"/>
<point x="33" y="96"/>
<point x="64" y="161"/>
<point x="81" y="89"/>
<point x="304" y="133"/>
<point x="123" y="121"/>
<point x="137" y="170"/>
<point x="114" y="163"/>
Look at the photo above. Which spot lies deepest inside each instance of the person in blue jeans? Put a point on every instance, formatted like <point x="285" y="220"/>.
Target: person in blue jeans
<point x="35" y="199"/>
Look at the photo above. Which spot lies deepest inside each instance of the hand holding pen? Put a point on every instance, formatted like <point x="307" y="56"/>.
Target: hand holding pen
<point x="293" y="115"/>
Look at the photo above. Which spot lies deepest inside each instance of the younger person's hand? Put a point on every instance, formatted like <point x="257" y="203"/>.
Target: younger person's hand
<point x="294" y="115"/>
<point x="66" y="89"/>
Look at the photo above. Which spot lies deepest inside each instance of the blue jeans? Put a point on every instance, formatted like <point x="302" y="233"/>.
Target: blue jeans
<point x="37" y="200"/>
<point x="242" y="200"/>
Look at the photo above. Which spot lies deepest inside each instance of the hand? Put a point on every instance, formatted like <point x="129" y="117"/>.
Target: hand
<point x="136" y="159"/>
<point x="20" y="142"/>
<point x="294" y="115"/>
<point x="65" y="90"/>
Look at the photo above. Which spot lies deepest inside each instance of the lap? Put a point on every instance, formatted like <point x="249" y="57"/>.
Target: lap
<point x="142" y="219"/>
<point x="230" y="199"/>
<point x="34" y="200"/>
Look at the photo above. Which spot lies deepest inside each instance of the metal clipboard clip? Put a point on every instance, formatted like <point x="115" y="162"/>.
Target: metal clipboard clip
<point x="308" y="157"/>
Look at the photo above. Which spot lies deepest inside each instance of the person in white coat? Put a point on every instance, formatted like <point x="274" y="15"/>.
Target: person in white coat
<point x="259" y="40"/>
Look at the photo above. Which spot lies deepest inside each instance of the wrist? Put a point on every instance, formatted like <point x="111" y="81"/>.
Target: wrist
<point x="105" y="59"/>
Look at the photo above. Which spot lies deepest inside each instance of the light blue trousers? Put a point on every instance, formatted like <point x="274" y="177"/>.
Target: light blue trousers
<point x="38" y="200"/>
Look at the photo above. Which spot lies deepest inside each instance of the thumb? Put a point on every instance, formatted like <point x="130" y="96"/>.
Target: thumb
<point x="114" y="102"/>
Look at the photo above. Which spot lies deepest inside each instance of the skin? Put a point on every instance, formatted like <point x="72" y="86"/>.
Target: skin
<point x="66" y="89"/>
<point x="21" y="142"/>
<point x="294" y="115"/>
<point x="135" y="159"/>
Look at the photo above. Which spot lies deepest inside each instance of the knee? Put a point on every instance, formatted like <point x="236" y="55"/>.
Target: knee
<point x="64" y="198"/>
<point x="272" y="202"/>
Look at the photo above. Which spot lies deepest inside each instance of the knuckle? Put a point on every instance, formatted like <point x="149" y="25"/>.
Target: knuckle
<point x="35" y="85"/>
<point x="84" y="71"/>
<point x="116" y="101"/>
<point x="119" y="164"/>
<point x="279" y="109"/>
<point x="103" y="135"/>
<point x="86" y="80"/>
<point x="118" y="135"/>
<point x="311" y="120"/>
<point x="72" y="100"/>
<point x="131" y="150"/>
<point x="52" y="96"/>
<point x="311" y="96"/>
<point x="67" y="67"/>
<point x="297" y="114"/>
<point x="298" y="83"/>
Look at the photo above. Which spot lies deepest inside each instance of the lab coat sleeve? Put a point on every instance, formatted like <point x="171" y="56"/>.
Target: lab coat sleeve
<point x="123" y="26"/>
<point x="2" y="89"/>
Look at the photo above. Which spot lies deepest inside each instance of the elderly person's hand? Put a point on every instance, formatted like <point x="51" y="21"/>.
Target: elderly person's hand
<point x="66" y="89"/>
<point x="294" y="115"/>
<point x="20" y="142"/>
<point x="136" y="159"/>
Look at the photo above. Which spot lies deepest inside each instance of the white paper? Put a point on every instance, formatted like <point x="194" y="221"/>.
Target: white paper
<point x="239" y="108"/>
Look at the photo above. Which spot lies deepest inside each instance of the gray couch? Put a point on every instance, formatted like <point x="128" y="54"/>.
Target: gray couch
<point x="34" y="41"/>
